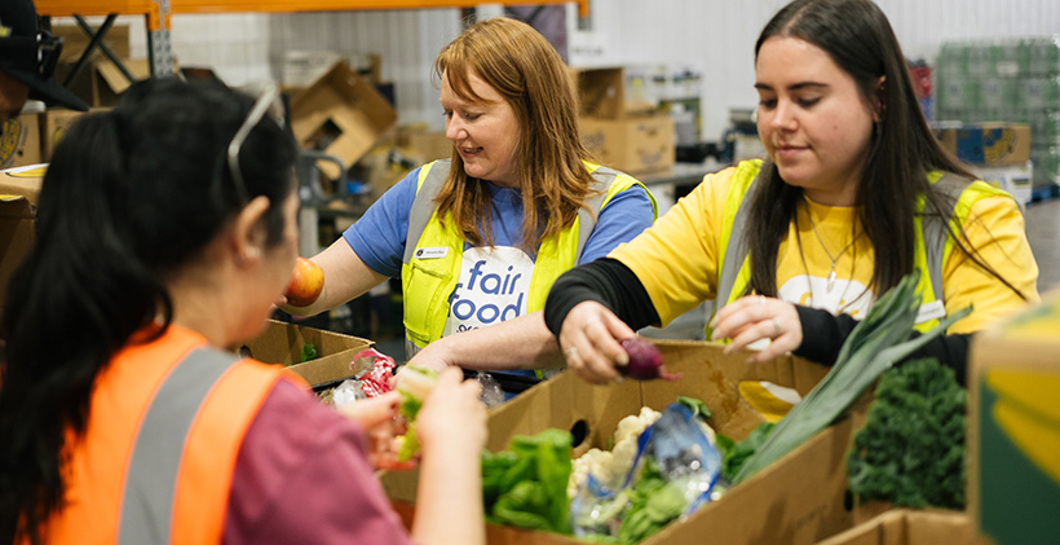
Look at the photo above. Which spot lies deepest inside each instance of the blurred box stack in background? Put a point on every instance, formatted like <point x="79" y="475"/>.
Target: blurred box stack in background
<point x="633" y="137"/>
<point x="1010" y="80"/>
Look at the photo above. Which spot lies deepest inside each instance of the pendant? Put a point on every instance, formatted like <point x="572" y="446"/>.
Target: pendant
<point x="831" y="280"/>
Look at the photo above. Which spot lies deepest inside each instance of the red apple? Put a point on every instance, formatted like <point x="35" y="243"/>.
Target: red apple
<point x="307" y="281"/>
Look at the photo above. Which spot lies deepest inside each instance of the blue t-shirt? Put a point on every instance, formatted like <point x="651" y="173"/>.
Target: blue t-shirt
<point x="378" y="237"/>
<point x="488" y="289"/>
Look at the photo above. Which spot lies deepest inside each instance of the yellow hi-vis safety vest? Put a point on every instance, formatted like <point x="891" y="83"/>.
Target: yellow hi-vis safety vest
<point x="428" y="283"/>
<point x="933" y="245"/>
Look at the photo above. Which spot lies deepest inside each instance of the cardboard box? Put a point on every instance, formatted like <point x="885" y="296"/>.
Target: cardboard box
<point x="633" y="144"/>
<point x="910" y="527"/>
<point x="1017" y="180"/>
<point x="424" y="145"/>
<point x="20" y="141"/>
<point x="341" y="114"/>
<point x="55" y="122"/>
<point x="797" y="500"/>
<point x="988" y="143"/>
<point x="1014" y="427"/>
<point x="282" y="343"/>
<point x="600" y="92"/>
<point x="101" y="83"/>
<point x="19" y="194"/>
<point x="75" y="41"/>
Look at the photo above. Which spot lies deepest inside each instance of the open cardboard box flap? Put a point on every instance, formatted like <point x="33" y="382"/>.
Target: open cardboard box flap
<point x="282" y="343"/>
<point x="798" y="500"/>
<point x="912" y="527"/>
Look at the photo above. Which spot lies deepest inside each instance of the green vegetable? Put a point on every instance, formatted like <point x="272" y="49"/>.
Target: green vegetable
<point x="697" y="407"/>
<point x="654" y="502"/>
<point x="734" y="454"/>
<point x="526" y="486"/>
<point x="415" y="384"/>
<point x="911" y="450"/>
<point x="407" y="445"/>
<point x="409" y="406"/>
<point x="874" y="345"/>
<point x="309" y="352"/>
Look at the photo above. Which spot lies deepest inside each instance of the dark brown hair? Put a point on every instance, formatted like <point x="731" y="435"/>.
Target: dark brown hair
<point x="859" y="39"/>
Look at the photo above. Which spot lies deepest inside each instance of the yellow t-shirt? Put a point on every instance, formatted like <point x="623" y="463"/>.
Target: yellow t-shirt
<point x="678" y="258"/>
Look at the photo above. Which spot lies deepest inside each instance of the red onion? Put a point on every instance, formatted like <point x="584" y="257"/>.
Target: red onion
<point x="645" y="361"/>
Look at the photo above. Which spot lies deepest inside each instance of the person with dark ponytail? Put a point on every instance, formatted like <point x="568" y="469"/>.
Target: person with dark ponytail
<point x="855" y="193"/>
<point x="166" y="230"/>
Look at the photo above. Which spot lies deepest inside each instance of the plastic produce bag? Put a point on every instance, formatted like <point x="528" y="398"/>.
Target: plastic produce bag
<point x="374" y="370"/>
<point x="492" y="395"/>
<point x="347" y="392"/>
<point x="674" y="472"/>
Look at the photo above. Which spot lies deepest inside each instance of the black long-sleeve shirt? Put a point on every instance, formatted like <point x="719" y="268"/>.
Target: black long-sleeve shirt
<point x="612" y="284"/>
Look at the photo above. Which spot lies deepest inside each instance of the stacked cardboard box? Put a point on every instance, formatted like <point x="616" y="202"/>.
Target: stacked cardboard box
<point x="628" y="140"/>
<point x="1013" y="80"/>
<point x="999" y="153"/>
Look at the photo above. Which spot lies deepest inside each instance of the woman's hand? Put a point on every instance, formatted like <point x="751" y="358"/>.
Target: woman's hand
<point x="378" y="417"/>
<point x="757" y="317"/>
<point x="434" y="356"/>
<point x="453" y="415"/>
<point x="590" y="338"/>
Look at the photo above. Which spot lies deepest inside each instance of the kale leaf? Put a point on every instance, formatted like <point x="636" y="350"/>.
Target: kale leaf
<point x="911" y="450"/>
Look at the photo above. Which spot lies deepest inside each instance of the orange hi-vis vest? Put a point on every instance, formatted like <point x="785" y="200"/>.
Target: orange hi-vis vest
<point x="155" y="465"/>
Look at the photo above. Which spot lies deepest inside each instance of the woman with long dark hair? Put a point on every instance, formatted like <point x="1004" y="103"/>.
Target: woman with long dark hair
<point x="855" y="194"/>
<point x="166" y="230"/>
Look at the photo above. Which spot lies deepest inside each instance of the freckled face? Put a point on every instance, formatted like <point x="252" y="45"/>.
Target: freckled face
<point x="812" y="119"/>
<point x="485" y="134"/>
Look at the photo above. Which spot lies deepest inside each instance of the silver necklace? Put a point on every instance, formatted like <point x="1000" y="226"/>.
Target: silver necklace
<point x="831" y="273"/>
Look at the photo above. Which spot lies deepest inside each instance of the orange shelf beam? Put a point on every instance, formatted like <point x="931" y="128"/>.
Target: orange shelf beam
<point x="66" y="8"/>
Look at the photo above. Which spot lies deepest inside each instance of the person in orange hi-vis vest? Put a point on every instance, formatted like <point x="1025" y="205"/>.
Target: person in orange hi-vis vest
<point x="166" y="231"/>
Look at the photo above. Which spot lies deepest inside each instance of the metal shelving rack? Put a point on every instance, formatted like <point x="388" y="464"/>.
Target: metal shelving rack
<point x="157" y="13"/>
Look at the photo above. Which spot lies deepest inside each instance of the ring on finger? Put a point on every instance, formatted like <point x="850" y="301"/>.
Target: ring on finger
<point x="570" y="352"/>
<point x="761" y="299"/>
<point x="777" y="330"/>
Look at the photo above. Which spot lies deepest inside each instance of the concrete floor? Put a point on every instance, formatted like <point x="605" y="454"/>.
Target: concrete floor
<point x="1043" y="231"/>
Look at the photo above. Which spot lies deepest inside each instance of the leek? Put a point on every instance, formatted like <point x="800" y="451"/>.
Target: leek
<point x="874" y="346"/>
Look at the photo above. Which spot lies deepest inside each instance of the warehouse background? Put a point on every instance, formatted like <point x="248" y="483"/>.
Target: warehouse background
<point x="714" y="37"/>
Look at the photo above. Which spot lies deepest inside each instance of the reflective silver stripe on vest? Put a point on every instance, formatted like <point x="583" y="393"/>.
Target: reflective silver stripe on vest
<point x="933" y="232"/>
<point x="736" y="250"/>
<point x="934" y="229"/>
<point x="151" y="480"/>
<point x="423" y="206"/>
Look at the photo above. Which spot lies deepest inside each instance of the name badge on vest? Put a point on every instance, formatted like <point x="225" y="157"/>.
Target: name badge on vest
<point x="931" y="311"/>
<point x="431" y="253"/>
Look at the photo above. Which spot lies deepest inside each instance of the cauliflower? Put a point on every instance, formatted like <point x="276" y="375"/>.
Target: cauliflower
<point x="610" y="468"/>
